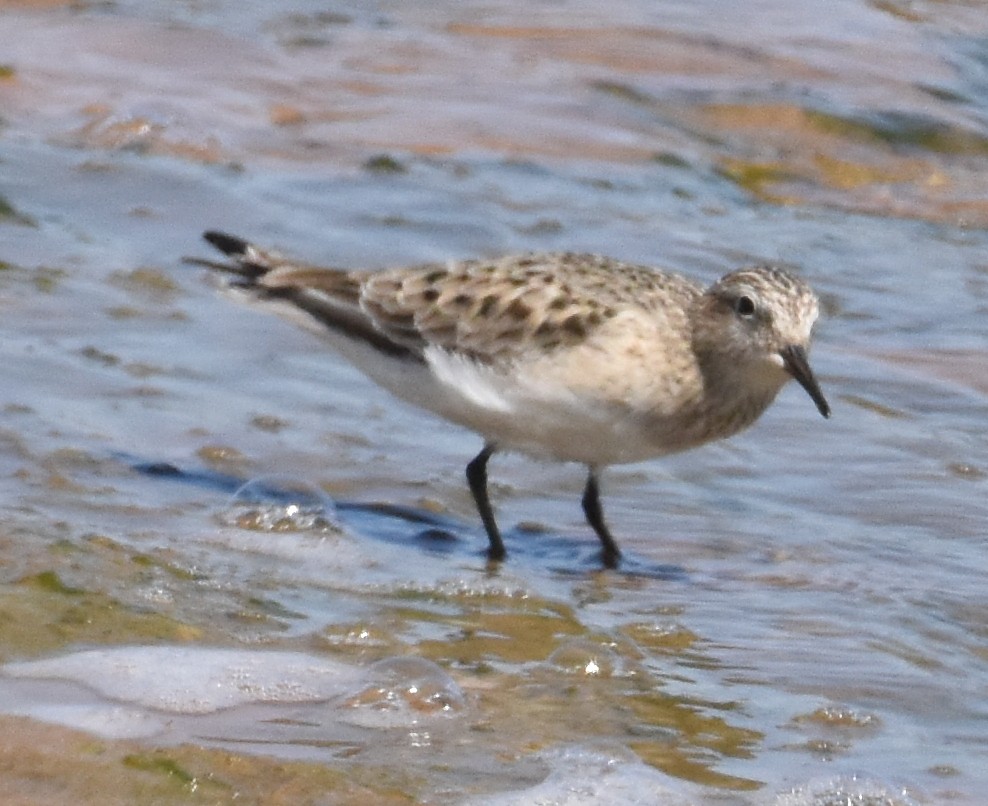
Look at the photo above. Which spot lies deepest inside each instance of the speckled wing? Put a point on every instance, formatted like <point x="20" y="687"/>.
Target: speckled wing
<point x="489" y="311"/>
<point x="495" y="311"/>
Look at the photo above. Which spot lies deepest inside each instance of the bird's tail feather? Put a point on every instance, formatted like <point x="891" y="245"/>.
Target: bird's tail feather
<point x="246" y="260"/>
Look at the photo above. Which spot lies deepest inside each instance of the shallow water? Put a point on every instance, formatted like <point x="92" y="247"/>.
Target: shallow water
<point x="801" y="617"/>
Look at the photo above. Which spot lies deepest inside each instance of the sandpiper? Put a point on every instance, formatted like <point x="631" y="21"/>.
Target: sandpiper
<point x="570" y="357"/>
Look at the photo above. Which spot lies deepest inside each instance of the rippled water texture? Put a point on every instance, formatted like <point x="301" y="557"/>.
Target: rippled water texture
<point x="232" y="569"/>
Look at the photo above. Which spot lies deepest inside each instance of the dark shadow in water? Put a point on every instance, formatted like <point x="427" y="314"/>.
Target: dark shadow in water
<point x="563" y="555"/>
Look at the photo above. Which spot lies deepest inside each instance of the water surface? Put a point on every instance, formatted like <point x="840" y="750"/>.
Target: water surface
<point x="802" y="614"/>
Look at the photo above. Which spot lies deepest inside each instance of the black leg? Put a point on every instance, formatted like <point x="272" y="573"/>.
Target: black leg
<point x="477" y="479"/>
<point x="595" y="517"/>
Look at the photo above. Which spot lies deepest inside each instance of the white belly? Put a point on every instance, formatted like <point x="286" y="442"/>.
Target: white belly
<point x="525" y="415"/>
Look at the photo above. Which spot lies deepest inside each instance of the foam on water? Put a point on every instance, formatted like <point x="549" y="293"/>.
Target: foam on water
<point x="110" y="722"/>
<point x="582" y="776"/>
<point x="134" y="691"/>
<point x="615" y="777"/>
<point x="195" y="680"/>
<point x="846" y="791"/>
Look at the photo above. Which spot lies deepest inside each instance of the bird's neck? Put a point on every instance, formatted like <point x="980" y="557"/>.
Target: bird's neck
<point x="737" y="393"/>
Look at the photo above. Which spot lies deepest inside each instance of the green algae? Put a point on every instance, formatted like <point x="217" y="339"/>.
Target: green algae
<point x="900" y="129"/>
<point x="758" y="177"/>
<point x="10" y="214"/>
<point x="42" y="612"/>
<point x="384" y="164"/>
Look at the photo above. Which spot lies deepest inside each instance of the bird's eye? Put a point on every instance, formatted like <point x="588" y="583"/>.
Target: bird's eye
<point x="744" y="306"/>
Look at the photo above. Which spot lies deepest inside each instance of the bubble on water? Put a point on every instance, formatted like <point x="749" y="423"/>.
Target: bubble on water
<point x="840" y="716"/>
<point x="280" y="504"/>
<point x="403" y="691"/>
<point x="360" y="636"/>
<point x="582" y="657"/>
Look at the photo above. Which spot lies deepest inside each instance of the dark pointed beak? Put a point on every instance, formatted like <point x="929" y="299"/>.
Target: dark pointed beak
<point x="797" y="365"/>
